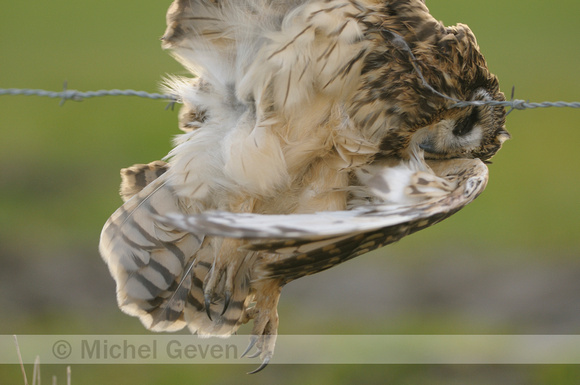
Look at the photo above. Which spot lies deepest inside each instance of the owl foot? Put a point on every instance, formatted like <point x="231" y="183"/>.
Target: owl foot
<point x="219" y="282"/>
<point x="265" y="316"/>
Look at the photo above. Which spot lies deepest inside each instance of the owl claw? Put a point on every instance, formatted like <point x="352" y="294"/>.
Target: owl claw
<point x="256" y="354"/>
<point x="265" y="329"/>
<point x="220" y="278"/>
<point x="253" y="340"/>
<point x="227" y="299"/>
<point x="262" y="366"/>
<point x="207" y="301"/>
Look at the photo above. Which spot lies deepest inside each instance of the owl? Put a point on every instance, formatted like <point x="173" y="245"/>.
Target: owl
<point x="315" y="131"/>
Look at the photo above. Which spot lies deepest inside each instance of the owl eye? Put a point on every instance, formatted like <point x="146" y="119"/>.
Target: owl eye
<point x="465" y="125"/>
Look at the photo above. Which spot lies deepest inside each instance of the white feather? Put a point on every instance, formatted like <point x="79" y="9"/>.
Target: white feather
<point x="442" y="198"/>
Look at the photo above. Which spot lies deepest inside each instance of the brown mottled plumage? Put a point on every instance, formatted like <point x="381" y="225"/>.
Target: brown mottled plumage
<point x="320" y="128"/>
<point x="136" y="177"/>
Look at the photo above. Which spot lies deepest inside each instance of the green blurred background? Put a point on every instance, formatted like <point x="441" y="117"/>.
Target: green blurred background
<point x="508" y="263"/>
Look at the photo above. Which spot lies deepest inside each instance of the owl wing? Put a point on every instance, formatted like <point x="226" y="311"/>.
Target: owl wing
<point x="310" y="243"/>
<point x="150" y="261"/>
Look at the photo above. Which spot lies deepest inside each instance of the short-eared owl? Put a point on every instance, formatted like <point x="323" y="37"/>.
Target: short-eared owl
<point x="311" y="137"/>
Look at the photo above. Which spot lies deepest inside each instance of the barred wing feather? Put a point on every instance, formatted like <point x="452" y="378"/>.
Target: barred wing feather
<point x="314" y="242"/>
<point x="150" y="261"/>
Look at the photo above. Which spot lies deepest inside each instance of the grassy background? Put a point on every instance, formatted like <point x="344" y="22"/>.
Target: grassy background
<point x="508" y="263"/>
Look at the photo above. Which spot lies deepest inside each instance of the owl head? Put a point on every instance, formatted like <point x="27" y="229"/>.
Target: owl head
<point x="418" y="69"/>
<point x="466" y="132"/>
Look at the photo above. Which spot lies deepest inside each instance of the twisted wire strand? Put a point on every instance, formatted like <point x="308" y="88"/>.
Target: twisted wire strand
<point x="516" y="104"/>
<point x="397" y="40"/>
<point x="75" y="95"/>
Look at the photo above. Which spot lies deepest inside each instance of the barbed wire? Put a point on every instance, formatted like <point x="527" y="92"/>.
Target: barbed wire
<point x="397" y="40"/>
<point x="78" y="96"/>
<point x="515" y="104"/>
<point x="75" y="95"/>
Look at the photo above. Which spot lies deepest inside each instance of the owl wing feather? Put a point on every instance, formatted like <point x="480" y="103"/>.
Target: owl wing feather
<point x="310" y="243"/>
<point x="151" y="262"/>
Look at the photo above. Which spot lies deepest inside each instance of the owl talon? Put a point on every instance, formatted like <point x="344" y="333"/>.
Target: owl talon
<point x="219" y="281"/>
<point x="262" y="366"/>
<point x="253" y="340"/>
<point x="256" y="354"/>
<point x="207" y="302"/>
<point x="265" y="317"/>
<point x="227" y="299"/>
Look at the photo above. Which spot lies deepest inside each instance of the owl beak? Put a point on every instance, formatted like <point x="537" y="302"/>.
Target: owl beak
<point x="423" y="139"/>
<point x="428" y="146"/>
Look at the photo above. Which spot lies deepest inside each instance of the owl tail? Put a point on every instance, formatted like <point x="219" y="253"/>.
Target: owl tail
<point x="162" y="272"/>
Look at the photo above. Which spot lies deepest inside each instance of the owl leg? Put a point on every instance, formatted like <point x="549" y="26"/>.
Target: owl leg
<point x="265" y="316"/>
<point x="226" y="265"/>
